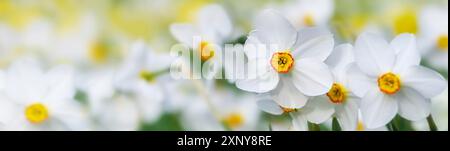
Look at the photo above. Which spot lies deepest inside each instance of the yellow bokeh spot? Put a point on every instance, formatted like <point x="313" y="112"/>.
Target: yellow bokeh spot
<point x="234" y="120"/>
<point x="206" y="50"/>
<point x="187" y="12"/>
<point x="147" y="76"/>
<point x="308" y="20"/>
<point x="337" y="94"/>
<point x="36" y="113"/>
<point x="389" y="83"/>
<point x="282" y="62"/>
<point x="442" y="42"/>
<point x="406" y="22"/>
<point x="98" y="52"/>
<point x="135" y="23"/>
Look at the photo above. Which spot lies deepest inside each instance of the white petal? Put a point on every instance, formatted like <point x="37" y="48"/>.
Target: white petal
<point x="255" y="49"/>
<point x="314" y="43"/>
<point x="312" y="77"/>
<point x="412" y="105"/>
<point x="341" y="57"/>
<point x="2" y="80"/>
<point x="71" y="115"/>
<point x="347" y="115"/>
<point x="378" y="109"/>
<point x="60" y="85"/>
<point x="288" y="96"/>
<point x="319" y="109"/>
<point x="427" y="82"/>
<point x="359" y="82"/>
<point x="299" y="122"/>
<point x="184" y="33"/>
<point x="25" y="82"/>
<point x="405" y="45"/>
<point x="373" y="54"/>
<point x="261" y="78"/>
<point x="150" y="101"/>
<point x="269" y="106"/>
<point x="215" y="22"/>
<point x="282" y="125"/>
<point x="120" y="115"/>
<point x="273" y="29"/>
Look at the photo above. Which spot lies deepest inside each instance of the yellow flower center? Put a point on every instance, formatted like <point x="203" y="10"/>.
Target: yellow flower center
<point x="442" y="42"/>
<point x="389" y="83"/>
<point x="98" y="52"/>
<point x="308" y="20"/>
<point x="234" y="120"/>
<point x="337" y="94"/>
<point x="206" y="51"/>
<point x="282" y="62"/>
<point x="36" y="113"/>
<point x="288" y="110"/>
<point x="360" y="126"/>
<point x="147" y="76"/>
<point x="406" y="22"/>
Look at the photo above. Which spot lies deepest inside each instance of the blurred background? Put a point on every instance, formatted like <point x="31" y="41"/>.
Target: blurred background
<point x="96" y="36"/>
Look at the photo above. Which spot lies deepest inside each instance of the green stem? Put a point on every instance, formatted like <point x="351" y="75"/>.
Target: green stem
<point x="431" y="123"/>
<point x="392" y="126"/>
<point x="335" y="125"/>
<point x="313" y="127"/>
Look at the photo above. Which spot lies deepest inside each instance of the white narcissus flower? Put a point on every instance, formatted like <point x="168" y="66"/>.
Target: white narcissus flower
<point x="213" y="26"/>
<point x="36" y="100"/>
<point x="285" y="63"/>
<point x="434" y="34"/>
<point x="238" y="112"/>
<point x="81" y="45"/>
<point x="110" y="110"/>
<point x="226" y="110"/>
<point x="307" y="13"/>
<point x="299" y="117"/>
<point x="390" y="80"/>
<point x="340" y="100"/>
<point x="141" y="76"/>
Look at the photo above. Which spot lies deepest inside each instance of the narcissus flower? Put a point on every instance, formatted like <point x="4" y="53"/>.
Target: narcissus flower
<point x="36" y="100"/>
<point x="308" y="13"/>
<point x="299" y="117"/>
<point x="213" y="27"/>
<point x="390" y="80"/>
<point x="434" y="34"/>
<point x="340" y="100"/>
<point x="141" y="76"/>
<point x="108" y="109"/>
<point x="225" y="111"/>
<point x="285" y="63"/>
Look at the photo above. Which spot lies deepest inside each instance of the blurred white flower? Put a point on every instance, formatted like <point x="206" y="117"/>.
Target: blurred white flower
<point x="390" y="80"/>
<point x="213" y="26"/>
<point x="434" y="35"/>
<point x="142" y="75"/>
<point x="226" y="111"/>
<point x="308" y="13"/>
<point x="285" y="63"/>
<point x="36" y="100"/>
<point x="80" y="45"/>
<point x="340" y="100"/>
<point x="110" y="110"/>
<point x="122" y="99"/>
<point x="299" y="117"/>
